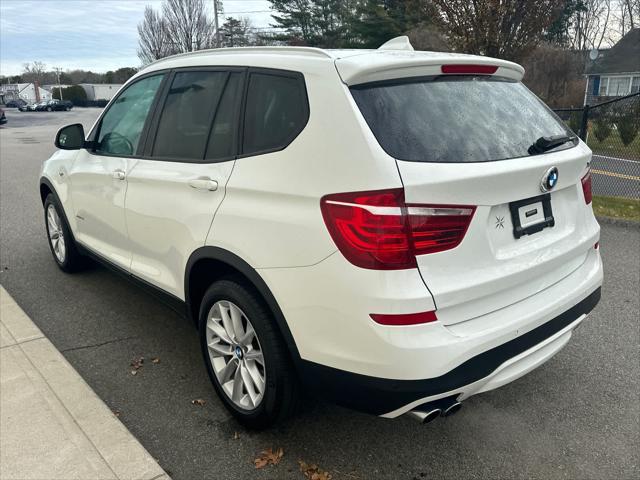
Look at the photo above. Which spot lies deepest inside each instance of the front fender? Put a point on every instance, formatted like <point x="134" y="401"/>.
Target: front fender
<point x="54" y="176"/>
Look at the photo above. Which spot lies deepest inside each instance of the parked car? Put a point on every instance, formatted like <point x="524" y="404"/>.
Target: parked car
<point x="30" y="107"/>
<point x="3" y="117"/>
<point x="15" y="103"/>
<point x="54" y="105"/>
<point x="395" y="230"/>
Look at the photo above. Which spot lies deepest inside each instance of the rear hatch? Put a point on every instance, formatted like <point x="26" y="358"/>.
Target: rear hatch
<point x="484" y="145"/>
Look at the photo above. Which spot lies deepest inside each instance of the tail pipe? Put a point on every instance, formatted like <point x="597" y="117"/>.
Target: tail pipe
<point x="444" y="407"/>
<point x="425" y="416"/>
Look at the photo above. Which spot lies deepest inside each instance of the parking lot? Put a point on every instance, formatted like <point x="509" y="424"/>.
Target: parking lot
<point x="577" y="417"/>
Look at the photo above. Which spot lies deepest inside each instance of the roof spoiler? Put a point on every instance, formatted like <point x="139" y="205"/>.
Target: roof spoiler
<point x="398" y="43"/>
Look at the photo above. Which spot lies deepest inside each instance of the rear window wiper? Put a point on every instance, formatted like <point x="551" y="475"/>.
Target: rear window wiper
<point x="544" y="144"/>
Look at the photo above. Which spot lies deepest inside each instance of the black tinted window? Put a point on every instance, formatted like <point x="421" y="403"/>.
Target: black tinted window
<point x="122" y="124"/>
<point x="222" y="141"/>
<point x="188" y="111"/>
<point x="276" y="112"/>
<point x="456" y="118"/>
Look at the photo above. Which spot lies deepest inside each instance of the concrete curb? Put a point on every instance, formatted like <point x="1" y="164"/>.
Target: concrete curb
<point x="52" y="424"/>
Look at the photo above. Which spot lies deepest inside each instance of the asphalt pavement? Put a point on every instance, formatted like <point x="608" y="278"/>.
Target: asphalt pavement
<point x="576" y="417"/>
<point x="617" y="177"/>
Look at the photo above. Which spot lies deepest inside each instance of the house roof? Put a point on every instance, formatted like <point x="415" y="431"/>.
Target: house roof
<point x="623" y="57"/>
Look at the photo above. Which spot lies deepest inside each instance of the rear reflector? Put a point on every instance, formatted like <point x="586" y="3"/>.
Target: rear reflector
<point x="586" y="188"/>
<point x="377" y="230"/>
<point x="404" y="319"/>
<point x="469" y="69"/>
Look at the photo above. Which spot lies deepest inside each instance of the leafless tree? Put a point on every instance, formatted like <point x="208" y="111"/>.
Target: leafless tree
<point x="626" y="16"/>
<point x="188" y="25"/>
<point x="506" y="29"/>
<point x="592" y="25"/>
<point x="33" y="72"/>
<point x="153" y="41"/>
<point x="633" y="10"/>
<point x="181" y="26"/>
<point x="555" y="74"/>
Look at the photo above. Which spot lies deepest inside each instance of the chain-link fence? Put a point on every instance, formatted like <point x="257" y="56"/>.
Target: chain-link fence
<point x="612" y="131"/>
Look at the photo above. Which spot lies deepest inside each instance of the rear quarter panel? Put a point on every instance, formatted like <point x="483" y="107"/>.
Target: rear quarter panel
<point x="271" y="215"/>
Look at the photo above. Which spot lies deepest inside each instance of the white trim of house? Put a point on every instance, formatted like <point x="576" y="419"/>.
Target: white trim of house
<point x="605" y="81"/>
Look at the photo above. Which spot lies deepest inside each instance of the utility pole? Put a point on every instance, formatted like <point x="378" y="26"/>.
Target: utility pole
<point x="215" y="17"/>
<point x="58" y="71"/>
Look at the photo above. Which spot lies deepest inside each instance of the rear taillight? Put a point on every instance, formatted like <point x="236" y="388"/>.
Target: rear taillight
<point x="377" y="230"/>
<point x="586" y="188"/>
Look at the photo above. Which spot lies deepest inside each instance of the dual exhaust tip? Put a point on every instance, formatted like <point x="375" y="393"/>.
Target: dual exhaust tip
<point x="428" y="413"/>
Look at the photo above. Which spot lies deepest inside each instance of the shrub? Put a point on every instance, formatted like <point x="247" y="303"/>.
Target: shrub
<point x="575" y="122"/>
<point x="602" y="127"/>
<point x="628" y="128"/>
<point x="74" y="93"/>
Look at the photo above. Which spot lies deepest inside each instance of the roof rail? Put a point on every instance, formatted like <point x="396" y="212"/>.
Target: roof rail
<point x="240" y="50"/>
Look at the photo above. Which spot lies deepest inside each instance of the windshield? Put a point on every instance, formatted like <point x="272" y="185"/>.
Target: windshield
<point x="456" y="118"/>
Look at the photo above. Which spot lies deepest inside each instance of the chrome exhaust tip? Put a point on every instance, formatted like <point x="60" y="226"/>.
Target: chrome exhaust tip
<point x="425" y="416"/>
<point x="451" y="409"/>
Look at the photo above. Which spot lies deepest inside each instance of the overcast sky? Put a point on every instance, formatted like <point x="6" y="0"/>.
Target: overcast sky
<point x="97" y="35"/>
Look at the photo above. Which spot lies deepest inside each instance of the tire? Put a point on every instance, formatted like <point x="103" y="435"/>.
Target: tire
<point x="66" y="109"/>
<point x="60" y="238"/>
<point x="280" y="394"/>
<point x="49" y="109"/>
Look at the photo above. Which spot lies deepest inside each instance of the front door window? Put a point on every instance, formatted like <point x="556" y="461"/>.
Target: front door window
<point x="122" y="124"/>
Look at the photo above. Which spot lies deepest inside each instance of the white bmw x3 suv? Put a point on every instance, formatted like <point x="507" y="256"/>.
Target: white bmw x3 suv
<point x="396" y="230"/>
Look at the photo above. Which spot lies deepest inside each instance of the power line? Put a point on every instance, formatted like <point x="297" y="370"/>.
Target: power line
<point x="247" y="11"/>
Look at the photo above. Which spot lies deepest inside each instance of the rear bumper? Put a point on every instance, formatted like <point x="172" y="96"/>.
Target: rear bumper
<point x="483" y="372"/>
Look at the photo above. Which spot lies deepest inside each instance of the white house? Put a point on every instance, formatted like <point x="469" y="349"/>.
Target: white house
<point x="100" y="91"/>
<point x="25" y="91"/>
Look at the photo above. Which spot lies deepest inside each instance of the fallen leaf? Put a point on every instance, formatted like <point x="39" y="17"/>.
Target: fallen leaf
<point x="199" y="402"/>
<point x="116" y="412"/>
<point x="137" y="362"/>
<point x="134" y="372"/>
<point x="313" y="472"/>
<point x="268" y="457"/>
<point x="155" y="360"/>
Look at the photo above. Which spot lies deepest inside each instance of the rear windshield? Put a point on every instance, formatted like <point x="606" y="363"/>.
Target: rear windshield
<point x="456" y="118"/>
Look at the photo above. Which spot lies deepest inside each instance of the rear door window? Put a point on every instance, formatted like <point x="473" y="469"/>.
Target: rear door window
<point x="276" y="112"/>
<point x="223" y="138"/>
<point x="456" y="118"/>
<point x="189" y="109"/>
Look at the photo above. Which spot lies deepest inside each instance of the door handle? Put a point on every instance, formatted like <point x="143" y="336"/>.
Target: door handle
<point x="204" y="183"/>
<point x="118" y="174"/>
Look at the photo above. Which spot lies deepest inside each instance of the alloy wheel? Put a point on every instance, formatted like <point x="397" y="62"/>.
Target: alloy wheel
<point x="235" y="355"/>
<point x="56" y="235"/>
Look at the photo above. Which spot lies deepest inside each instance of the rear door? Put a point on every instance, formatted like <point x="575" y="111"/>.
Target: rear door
<point x="175" y="189"/>
<point x="464" y="141"/>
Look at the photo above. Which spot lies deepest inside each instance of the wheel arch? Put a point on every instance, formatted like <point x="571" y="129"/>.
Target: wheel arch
<point x="207" y="264"/>
<point x="46" y="188"/>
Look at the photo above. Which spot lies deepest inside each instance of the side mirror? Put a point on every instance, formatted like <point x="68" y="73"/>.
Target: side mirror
<point x="70" y="137"/>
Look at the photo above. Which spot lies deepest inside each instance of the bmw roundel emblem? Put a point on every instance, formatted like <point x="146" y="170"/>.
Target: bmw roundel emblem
<point x="549" y="180"/>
